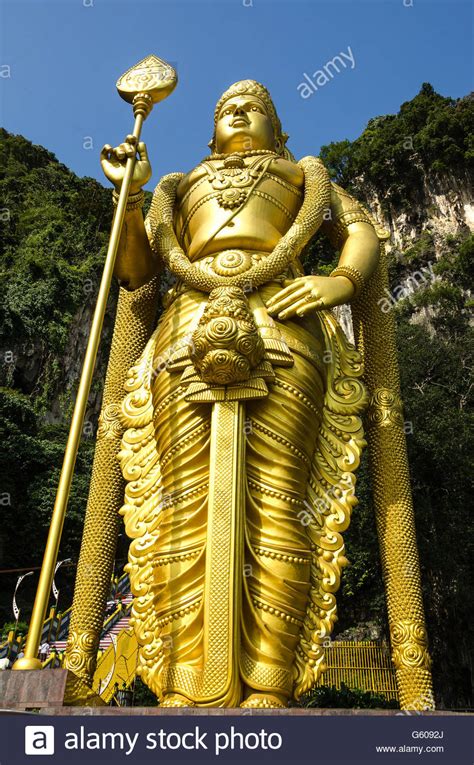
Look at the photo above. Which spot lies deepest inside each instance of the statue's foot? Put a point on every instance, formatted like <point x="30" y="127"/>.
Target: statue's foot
<point x="263" y="701"/>
<point x="176" y="700"/>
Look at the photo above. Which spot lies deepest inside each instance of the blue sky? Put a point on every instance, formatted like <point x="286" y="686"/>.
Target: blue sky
<point x="66" y="56"/>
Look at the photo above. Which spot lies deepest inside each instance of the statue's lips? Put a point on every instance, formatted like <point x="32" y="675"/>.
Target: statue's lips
<point x="240" y="123"/>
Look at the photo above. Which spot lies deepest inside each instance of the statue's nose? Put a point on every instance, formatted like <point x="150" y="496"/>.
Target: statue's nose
<point x="239" y="112"/>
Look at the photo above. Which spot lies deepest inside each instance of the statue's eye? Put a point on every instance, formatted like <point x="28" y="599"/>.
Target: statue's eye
<point x="255" y="108"/>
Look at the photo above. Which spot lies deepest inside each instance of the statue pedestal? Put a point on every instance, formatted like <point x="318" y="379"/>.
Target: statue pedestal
<point x="61" y="692"/>
<point x="235" y="712"/>
<point x="41" y="689"/>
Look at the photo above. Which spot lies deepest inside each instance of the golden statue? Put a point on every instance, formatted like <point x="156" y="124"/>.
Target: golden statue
<point x="239" y="431"/>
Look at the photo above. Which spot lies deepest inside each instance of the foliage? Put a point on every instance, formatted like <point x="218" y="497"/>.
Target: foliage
<point x="30" y="462"/>
<point x="142" y="696"/>
<point x="330" y="697"/>
<point x="54" y="229"/>
<point x="21" y="629"/>
<point x="53" y="233"/>
<point x="429" y="134"/>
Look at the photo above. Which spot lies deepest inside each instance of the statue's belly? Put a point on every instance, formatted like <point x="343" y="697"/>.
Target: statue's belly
<point x="242" y="234"/>
<point x="205" y="227"/>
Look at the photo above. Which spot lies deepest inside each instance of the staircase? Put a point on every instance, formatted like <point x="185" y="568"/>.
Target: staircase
<point x="122" y="624"/>
<point x="112" y="626"/>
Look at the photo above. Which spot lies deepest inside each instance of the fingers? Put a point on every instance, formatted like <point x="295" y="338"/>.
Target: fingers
<point x="142" y="151"/>
<point x="126" y="149"/>
<point x="315" y="305"/>
<point x="108" y="160"/>
<point x="139" y="148"/>
<point x="301" y="307"/>
<point x="287" y="297"/>
<point x="292" y="309"/>
<point x="287" y="302"/>
<point x="106" y="152"/>
<point x="297" y="298"/>
<point x="292" y="286"/>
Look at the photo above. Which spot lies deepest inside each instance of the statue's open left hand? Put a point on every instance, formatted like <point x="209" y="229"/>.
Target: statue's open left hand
<point x="310" y="293"/>
<point x="113" y="161"/>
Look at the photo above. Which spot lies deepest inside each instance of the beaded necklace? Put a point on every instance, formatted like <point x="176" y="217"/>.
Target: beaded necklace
<point x="249" y="153"/>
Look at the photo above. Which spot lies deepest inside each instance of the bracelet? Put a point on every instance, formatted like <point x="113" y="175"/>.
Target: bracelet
<point x="353" y="275"/>
<point x="134" y="202"/>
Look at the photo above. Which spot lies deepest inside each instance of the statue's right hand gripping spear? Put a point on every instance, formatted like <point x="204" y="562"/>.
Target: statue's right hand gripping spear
<point x="145" y="84"/>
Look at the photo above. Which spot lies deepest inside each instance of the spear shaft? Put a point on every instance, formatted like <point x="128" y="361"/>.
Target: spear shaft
<point x="144" y="85"/>
<point x="30" y="660"/>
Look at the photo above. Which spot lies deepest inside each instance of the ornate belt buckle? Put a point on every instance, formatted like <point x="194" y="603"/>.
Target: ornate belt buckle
<point x="231" y="262"/>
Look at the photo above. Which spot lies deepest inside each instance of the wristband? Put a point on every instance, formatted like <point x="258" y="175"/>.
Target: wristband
<point x="353" y="275"/>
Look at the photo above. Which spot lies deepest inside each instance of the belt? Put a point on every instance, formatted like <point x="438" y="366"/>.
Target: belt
<point x="232" y="262"/>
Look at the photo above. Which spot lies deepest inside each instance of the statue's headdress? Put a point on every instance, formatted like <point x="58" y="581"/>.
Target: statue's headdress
<point x="252" y="88"/>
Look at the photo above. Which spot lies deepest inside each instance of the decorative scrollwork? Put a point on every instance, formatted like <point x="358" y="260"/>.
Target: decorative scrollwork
<point x="226" y="342"/>
<point x="109" y="422"/>
<point x="385" y="408"/>
<point x="409" y="644"/>
<point x="331" y="498"/>
<point x="81" y="653"/>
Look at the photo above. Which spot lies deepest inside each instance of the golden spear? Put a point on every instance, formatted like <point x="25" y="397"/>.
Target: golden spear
<point x="145" y="84"/>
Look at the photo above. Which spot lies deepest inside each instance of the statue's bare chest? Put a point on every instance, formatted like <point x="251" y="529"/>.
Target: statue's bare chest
<point x="236" y="202"/>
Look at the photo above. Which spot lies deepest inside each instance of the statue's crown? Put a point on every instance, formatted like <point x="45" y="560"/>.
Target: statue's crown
<point x="251" y="88"/>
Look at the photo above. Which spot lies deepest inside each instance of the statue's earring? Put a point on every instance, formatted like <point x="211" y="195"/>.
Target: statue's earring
<point x="279" y="146"/>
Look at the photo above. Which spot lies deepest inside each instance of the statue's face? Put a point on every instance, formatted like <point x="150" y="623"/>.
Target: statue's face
<point x="243" y="124"/>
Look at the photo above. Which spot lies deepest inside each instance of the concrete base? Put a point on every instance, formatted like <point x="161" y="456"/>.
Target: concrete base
<point x="60" y="692"/>
<point x="51" y="689"/>
<point x="233" y="712"/>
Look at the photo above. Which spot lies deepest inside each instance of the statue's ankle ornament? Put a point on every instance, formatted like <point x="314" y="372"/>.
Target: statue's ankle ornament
<point x="175" y="700"/>
<point x="263" y="701"/>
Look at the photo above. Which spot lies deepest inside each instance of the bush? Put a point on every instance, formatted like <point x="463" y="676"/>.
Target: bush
<point x="142" y="696"/>
<point x="330" y="697"/>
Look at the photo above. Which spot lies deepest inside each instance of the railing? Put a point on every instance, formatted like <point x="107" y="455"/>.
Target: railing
<point x="123" y="584"/>
<point x="11" y="647"/>
<point x="56" y="627"/>
<point x="121" y="611"/>
<point x="54" y="660"/>
<point x="363" y="665"/>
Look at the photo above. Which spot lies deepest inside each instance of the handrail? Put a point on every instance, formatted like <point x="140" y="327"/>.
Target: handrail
<point x="115" y="616"/>
<point x="52" y="632"/>
<point x="117" y="664"/>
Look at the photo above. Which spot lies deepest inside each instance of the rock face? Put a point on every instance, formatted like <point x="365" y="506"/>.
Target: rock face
<point x="443" y="206"/>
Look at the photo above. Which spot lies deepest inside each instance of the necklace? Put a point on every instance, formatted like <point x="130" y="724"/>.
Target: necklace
<point x="234" y="181"/>
<point x="249" y="153"/>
